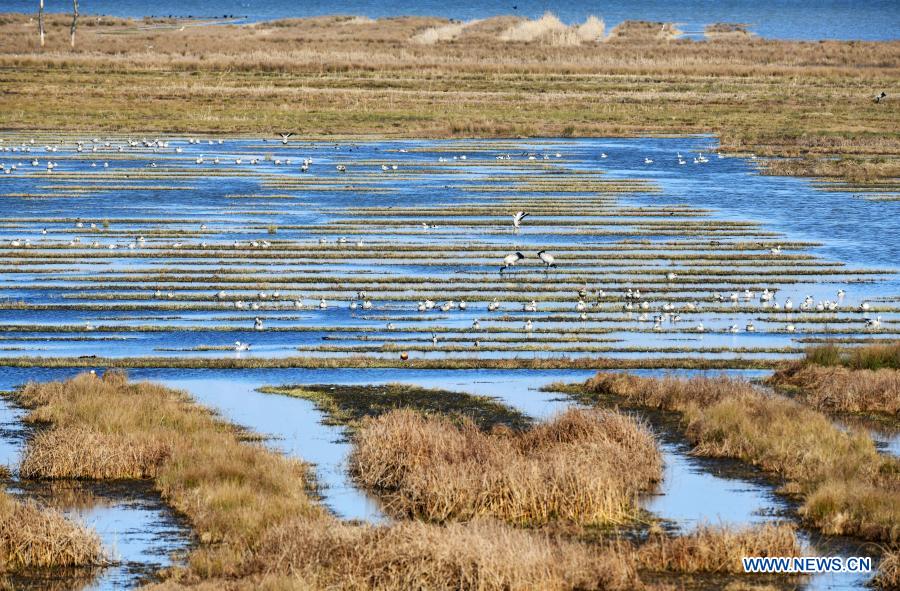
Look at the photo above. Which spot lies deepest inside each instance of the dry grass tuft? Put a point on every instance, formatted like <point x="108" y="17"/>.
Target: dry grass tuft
<point x="716" y="549"/>
<point x="33" y="536"/>
<point x="98" y="455"/>
<point x="888" y="576"/>
<point x="549" y="30"/>
<point x="581" y="467"/>
<point x="667" y="392"/>
<point x="854" y="379"/>
<point x="447" y="32"/>
<point x="109" y="428"/>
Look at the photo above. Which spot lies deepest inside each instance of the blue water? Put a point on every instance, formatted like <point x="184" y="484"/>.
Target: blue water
<point x="842" y="19"/>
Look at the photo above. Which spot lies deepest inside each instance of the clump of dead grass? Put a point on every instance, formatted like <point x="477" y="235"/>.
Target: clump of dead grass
<point x="888" y="576"/>
<point x="581" y="467"/>
<point x="548" y="29"/>
<point x="34" y="536"/>
<point x="716" y="549"/>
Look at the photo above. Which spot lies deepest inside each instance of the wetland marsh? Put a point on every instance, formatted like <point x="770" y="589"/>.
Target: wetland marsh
<point x="517" y="305"/>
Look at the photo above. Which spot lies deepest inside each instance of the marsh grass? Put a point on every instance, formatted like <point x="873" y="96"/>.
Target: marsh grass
<point x="41" y="537"/>
<point x="582" y="467"/>
<point x="846" y="380"/>
<point x="847" y="487"/>
<point x="711" y="549"/>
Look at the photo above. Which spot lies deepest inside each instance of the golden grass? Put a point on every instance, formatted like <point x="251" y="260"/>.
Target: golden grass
<point x="847" y="486"/>
<point x="35" y="536"/>
<point x="716" y="549"/>
<point x="581" y="467"/>
<point x="549" y="30"/>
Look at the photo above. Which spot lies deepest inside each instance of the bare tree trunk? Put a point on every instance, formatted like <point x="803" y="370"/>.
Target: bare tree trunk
<point x="41" y="20"/>
<point x="74" y="21"/>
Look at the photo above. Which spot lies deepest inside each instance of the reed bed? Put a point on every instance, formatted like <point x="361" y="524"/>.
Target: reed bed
<point x="582" y="467"/>
<point x="846" y="380"/>
<point x="846" y="486"/>
<point x="32" y="536"/>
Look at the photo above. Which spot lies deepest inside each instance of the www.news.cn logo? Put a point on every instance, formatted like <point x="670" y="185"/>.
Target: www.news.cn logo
<point x="807" y="564"/>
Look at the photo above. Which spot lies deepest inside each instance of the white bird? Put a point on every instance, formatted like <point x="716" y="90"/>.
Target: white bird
<point x="671" y="276"/>
<point x="750" y="327"/>
<point x="239" y="346"/>
<point x="462" y="304"/>
<point x="285" y="137"/>
<point x="648" y="161"/>
<point x="528" y="326"/>
<point x="873" y="322"/>
<point x="511" y="259"/>
<point x="603" y="154"/>
<point x="547" y="258"/>
<point x="493" y="306"/>
<point x="517" y="219"/>
<point x="257" y="323"/>
<point x="323" y="304"/>
<point x="790" y="328"/>
<point x="734" y="328"/>
<point x="476" y="325"/>
<point x="700" y="327"/>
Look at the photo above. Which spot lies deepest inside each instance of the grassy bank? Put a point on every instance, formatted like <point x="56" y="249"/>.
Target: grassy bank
<point x="348" y="77"/>
<point x="853" y="379"/>
<point x="845" y="485"/>
<point x="32" y="536"/>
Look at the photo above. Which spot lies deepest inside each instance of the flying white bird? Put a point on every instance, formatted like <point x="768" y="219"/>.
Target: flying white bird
<point x="517" y="219"/>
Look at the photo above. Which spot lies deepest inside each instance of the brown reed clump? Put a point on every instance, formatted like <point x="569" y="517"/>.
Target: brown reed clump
<point x="34" y="536"/>
<point x="581" y="467"/>
<point x="888" y="575"/>
<point x="716" y="549"/>
<point x="98" y="455"/>
<point x="109" y="428"/>
<point x="668" y="392"/>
